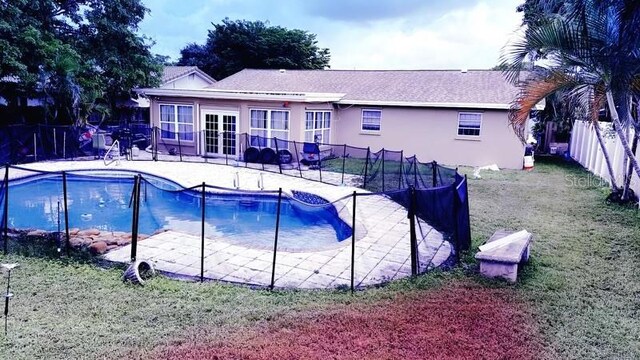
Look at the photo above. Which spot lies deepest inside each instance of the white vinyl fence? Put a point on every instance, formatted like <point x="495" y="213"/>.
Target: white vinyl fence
<point x="586" y="150"/>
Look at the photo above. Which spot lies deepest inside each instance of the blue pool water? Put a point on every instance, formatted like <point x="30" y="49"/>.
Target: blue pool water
<point x="103" y="203"/>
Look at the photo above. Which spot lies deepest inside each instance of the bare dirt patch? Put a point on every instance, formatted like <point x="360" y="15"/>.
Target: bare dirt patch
<point x="455" y="322"/>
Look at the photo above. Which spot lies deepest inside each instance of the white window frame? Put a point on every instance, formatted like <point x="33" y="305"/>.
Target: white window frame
<point x="362" y="123"/>
<point x="269" y="130"/>
<point x="175" y="124"/>
<point x="313" y="127"/>
<point x="469" y="128"/>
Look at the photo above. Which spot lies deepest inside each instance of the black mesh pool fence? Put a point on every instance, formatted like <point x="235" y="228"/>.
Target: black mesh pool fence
<point x="133" y="195"/>
<point x="442" y="197"/>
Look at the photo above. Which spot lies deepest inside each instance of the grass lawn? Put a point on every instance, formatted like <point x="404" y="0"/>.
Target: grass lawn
<point x="578" y="298"/>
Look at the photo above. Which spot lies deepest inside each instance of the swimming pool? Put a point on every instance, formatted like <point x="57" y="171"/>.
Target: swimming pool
<point x="102" y="201"/>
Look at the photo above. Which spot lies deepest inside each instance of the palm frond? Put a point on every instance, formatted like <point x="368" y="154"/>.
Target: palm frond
<point x="534" y="89"/>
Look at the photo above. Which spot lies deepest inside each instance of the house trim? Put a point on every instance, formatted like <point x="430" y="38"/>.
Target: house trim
<point x="198" y="72"/>
<point x="243" y="95"/>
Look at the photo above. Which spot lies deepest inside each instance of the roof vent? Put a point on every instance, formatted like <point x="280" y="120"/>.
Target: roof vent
<point x="464" y="70"/>
<point x="282" y="71"/>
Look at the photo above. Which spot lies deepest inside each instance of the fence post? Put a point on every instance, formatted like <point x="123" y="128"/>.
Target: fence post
<point x="55" y="144"/>
<point x="202" y="230"/>
<point x="353" y="243"/>
<point x="67" y="245"/>
<point x="415" y="171"/>
<point x="179" y="147"/>
<point x="412" y="231"/>
<point x="383" y="152"/>
<point x="203" y="144"/>
<point x="260" y="148"/>
<point x="366" y="168"/>
<point x="344" y="159"/>
<point x="466" y="197"/>
<point x="224" y="138"/>
<point x="319" y="163"/>
<point x="278" y="155"/>
<point x="401" y="170"/>
<point x="456" y="209"/>
<point x="295" y="149"/>
<point x="134" y="222"/>
<point x="35" y="148"/>
<point x="275" y="241"/>
<point x="5" y="217"/>
<point x="434" y="173"/>
<point x="153" y="143"/>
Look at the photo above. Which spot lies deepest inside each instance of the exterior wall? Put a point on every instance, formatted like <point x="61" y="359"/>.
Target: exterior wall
<point x="243" y="108"/>
<point x="191" y="81"/>
<point x="432" y="134"/>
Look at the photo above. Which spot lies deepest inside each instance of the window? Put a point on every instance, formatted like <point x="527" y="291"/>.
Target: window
<point x="371" y="119"/>
<point x="469" y="124"/>
<point x="317" y="126"/>
<point x="176" y="122"/>
<point x="269" y="124"/>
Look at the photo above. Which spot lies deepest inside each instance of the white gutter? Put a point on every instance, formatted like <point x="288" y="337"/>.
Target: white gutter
<point x="539" y="106"/>
<point x="243" y="95"/>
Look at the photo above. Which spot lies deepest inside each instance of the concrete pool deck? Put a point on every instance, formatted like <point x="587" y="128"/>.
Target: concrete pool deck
<point x="382" y="248"/>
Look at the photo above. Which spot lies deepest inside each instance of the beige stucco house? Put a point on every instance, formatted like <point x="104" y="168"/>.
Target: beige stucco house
<point x="453" y="117"/>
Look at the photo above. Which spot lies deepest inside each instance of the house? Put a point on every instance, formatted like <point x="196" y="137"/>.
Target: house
<point x="173" y="77"/>
<point x="453" y="117"/>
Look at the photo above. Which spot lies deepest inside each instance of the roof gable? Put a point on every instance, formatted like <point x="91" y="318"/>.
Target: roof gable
<point x="173" y="73"/>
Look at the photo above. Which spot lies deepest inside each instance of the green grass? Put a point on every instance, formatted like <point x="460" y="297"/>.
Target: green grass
<point x="583" y="280"/>
<point x="582" y="284"/>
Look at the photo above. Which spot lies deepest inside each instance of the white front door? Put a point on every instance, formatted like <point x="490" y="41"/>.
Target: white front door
<point x="219" y="132"/>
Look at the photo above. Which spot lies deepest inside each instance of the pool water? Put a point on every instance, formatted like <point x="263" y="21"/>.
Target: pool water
<point x="104" y="203"/>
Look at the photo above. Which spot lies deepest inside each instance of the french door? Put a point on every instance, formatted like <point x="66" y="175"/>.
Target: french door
<point x="219" y="132"/>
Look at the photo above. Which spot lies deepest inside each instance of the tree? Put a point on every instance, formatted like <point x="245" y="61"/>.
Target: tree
<point x="235" y="45"/>
<point x="77" y="53"/>
<point x="591" y="51"/>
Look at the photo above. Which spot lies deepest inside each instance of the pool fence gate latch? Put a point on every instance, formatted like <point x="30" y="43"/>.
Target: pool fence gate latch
<point x="139" y="271"/>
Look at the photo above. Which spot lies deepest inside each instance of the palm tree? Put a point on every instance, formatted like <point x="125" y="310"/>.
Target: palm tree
<point x="590" y="49"/>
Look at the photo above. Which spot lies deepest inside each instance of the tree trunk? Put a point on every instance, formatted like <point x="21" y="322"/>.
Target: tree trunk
<point x="627" y="179"/>
<point x="619" y="130"/>
<point x="605" y="154"/>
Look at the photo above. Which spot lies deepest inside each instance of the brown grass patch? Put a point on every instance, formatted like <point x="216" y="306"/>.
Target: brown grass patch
<point x="455" y="322"/>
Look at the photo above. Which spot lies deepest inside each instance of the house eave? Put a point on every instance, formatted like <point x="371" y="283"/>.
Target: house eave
<point x="243" y="95"/>
<point x="490" y="106"/>
<point x="313" y="97"/>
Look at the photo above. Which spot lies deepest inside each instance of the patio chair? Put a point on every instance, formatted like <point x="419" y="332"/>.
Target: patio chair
<point x="310" y="155"/>
<point x="101" y="144"/>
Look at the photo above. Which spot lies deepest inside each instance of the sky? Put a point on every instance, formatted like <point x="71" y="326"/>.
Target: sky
<point x="360" y="34"/>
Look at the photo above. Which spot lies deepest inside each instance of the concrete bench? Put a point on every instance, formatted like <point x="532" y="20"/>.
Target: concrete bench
<point x="503" y="261"/>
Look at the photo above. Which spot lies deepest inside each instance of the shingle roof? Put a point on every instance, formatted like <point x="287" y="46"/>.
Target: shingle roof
<point x="174" y="72"/>
<point x="419" y="86"/>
